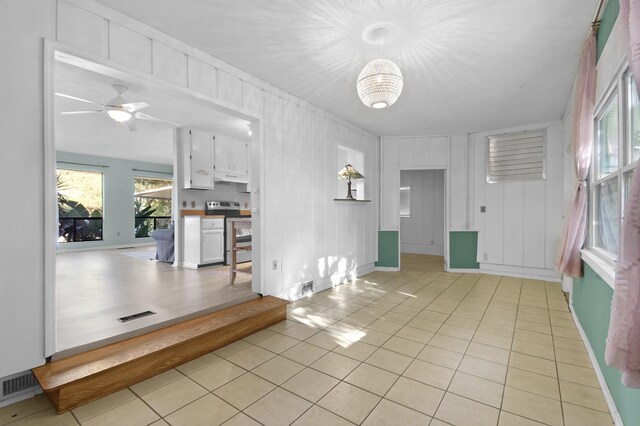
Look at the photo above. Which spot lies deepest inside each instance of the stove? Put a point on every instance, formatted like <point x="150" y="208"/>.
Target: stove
<point x="223" y="208"/>
<point x="243" y="236"/>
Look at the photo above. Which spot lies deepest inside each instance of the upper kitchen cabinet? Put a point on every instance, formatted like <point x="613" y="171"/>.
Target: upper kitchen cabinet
<point x="231" y="159"/>
<point x="198" y="155"/>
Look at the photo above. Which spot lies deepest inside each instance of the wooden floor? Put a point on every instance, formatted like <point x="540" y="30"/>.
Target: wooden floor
<point x="95" y="288"/>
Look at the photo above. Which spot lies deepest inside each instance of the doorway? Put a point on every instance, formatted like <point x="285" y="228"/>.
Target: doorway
<point x="423" y="212"/>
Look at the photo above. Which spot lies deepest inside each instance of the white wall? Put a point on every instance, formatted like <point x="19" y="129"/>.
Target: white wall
<point x="307" y="233"/>
<point x="23" y="23"/>
<point x="423" y="231"/>
<point x="520" y="231"/>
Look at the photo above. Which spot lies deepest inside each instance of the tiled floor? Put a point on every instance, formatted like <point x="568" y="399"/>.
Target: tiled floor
<point x="418" y="347"/>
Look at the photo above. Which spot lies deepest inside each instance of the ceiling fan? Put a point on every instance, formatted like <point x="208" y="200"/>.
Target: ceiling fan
<point x="118" y="109"/>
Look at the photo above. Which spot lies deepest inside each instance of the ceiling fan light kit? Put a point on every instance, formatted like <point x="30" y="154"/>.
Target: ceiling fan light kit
<point x="380" y="82"/>
<point x="119" y="114"/>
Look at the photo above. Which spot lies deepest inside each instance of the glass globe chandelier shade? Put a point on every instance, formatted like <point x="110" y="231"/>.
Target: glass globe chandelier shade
<point x="379" y="84"/>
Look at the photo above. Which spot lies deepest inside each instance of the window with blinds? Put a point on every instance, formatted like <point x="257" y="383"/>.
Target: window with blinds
<point x="516" y="157"/>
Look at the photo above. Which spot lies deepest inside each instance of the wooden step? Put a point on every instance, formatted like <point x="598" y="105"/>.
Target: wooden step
<point x="81" y="378"/>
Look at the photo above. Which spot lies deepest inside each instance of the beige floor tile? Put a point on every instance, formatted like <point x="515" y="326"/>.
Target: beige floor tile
<point x="304" y="353"/>
<point x="241" y="419"/>
<point x="576" y="374"/>
<point x="430" y="374"/>
<point x="198" y="363"/>
<point x="269" y="412"/>
<point x="374" y="337"/>
<point x="492" y="339"/>
<point x="455" y="331"/>
<point x="283" y="325"/>
<point x="244" y="391"/>
<point x="385" y="326"/>
<point x="492" y="328"/>
<point x="508" y="419"/>
<point x="403" y="346"/>
<point x="251" y="357"/>
<point x="567" y="323"/>
<point x="372" y="379"/>
<point x="173" y="396"/>
<point x="406" y="310"/>
<point x="132" y="413"/>
<point x="217" y="374"/>
<point x="390" y="413"/>
<point x="571" y="344"/>
<point x="441" y="357"/>
<point x="531" y="406"/>
<point x="449" y="343"/>
<point x="156" y="382"/>
<point x="261" y="335"/>
<point x="488" y="353"/>
<point x="415" y="395"/>
<point x="533" y="382"/>
<point x="310" y="384"/>
<point x="103" y="405"/>
<point x="49" y="417"/>
<point x="358" y="319"/>
<point x="462" y="322"/>
<point x="350" y="402"/>
<point x="534" y="349"/>
<point x="565" y="332"/>
<point x="482" y="368"/>
<point x="585" y="396"/>
<point x="318" y="416"/>
<point x="160" y="422"/>
<point x="324" y="340"/>
<point x="415" y="334"/>
<point x="532" y="336"/>
<point x="208" y="410"/>
<point x="526" y="316"/>
<point x="278" y="343"/>
<point x="533" y="326"/>
<point x="461" y="411"/>
<point x="335" y="365"/>
<point x="390" y="361"/>
<point x="533" y="364"/>
<point x="433" y="316"/>
<point x="232" y="348"/>
<point x="357" y="350"/>
<point x="581" y="359"/>
<point x="397" y="318"/>
<point x="581" y="416"/>
<point x="278" y="370"/>
<point x="27" y="407"/>
<point x="425" y="324"/>
<point x="477" y="389"/>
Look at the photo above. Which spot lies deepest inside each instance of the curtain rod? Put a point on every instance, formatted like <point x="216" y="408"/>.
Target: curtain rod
<point x="596" y="19"/>
<point x="82" y="164"/>
<point x="152" y="171"/>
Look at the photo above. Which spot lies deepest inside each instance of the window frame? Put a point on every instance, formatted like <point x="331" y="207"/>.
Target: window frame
<point x="84" y="168"/>
<point x="619" y="90"/>
<point x="148" y="175"/>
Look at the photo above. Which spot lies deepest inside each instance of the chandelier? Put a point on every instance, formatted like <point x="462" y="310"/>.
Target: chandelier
<point x="379" y="84"/>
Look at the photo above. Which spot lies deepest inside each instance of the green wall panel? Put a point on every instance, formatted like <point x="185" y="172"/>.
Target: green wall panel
<point x="463" y="249"/>
<point x="592" y="305"/>
<point x="388" y="249"/>
<point x="609" y="16"/>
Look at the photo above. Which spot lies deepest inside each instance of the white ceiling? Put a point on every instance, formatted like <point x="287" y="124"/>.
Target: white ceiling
<point x="468" y="65"/>
<point x="97" y="134"/>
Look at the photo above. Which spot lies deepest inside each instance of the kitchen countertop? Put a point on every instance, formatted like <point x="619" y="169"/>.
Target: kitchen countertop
<point x="185" y="212"/>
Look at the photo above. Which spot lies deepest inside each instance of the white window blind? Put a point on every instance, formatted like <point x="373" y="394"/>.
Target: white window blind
<point x="516" y="156"/>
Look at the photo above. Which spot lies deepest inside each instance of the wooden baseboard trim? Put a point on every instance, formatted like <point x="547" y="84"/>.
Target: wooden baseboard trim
<point x="81" y="378"/>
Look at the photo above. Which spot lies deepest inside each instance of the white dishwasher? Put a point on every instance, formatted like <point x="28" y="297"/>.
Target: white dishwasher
<point x="203" y="241"/>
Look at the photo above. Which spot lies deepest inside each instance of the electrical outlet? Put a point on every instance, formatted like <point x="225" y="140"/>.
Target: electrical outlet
<point x="483" y="209"/>
<point x="193" y="204"/>
<point x="275" y="265"/>
<point x="485" y="256"/>
<point x="184" y="203"/>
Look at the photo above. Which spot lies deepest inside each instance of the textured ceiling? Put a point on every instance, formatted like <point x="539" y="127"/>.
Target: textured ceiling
<point x="468" y="65"/>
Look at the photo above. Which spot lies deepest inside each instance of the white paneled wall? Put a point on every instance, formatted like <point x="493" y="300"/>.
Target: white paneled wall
<point x="307" y="234"/>
<point x="423" y="231"/>
<point x="520" y="231"/>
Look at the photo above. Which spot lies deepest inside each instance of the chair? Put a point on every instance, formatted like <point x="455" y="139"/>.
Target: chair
<point x="164" y="244"/>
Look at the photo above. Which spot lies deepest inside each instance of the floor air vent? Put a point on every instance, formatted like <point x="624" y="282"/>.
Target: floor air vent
<point x="14" y="385"/>
<point x="136" y="316"/>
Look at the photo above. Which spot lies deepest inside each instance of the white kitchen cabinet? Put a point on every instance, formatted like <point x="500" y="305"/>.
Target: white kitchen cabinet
<point x="231" y="159"/>
<point x="203" y="241"/>
<point x="198" y="157"/>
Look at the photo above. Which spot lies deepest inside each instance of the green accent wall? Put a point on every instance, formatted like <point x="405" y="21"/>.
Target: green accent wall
<point x="608" y="19"/>
<point x="463" y="250"/>
<point x="388" y="249"/>
<point x="592" y="305"/>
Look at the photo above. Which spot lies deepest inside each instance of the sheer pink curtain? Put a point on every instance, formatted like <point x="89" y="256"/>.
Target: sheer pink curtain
<point x="623" y="342"/>
<point x="569" y="262"/>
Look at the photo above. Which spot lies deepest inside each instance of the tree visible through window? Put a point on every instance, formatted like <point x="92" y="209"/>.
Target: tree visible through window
<point x="79" y="205"/>
<point x="152" y="205"/>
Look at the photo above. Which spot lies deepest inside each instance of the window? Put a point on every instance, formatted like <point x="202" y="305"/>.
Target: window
<point x="79" y="205"/>
<point x="616" y="151"/>
<point x="152" y="205"/>
<point x="516" y="157"/>
<point x="405" y="201"/>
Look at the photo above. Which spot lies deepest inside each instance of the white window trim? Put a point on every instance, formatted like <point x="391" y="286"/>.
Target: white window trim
<point x="601" y="263"/>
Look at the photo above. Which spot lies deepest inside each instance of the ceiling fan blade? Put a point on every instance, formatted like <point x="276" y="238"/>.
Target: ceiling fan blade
<point x="143" y="116"/>
<point x="135" y="106"/>
<point x="80" y="112"/>
<point x="62" y="95"/>
<point x="130" y="124"/>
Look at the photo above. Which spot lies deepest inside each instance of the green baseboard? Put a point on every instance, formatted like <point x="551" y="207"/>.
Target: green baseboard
<point x="388" y="249"/>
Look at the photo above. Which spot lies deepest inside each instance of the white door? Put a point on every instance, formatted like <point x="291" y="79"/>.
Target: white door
<point x="212" y="249"/>
<point x="201" y="164"/>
